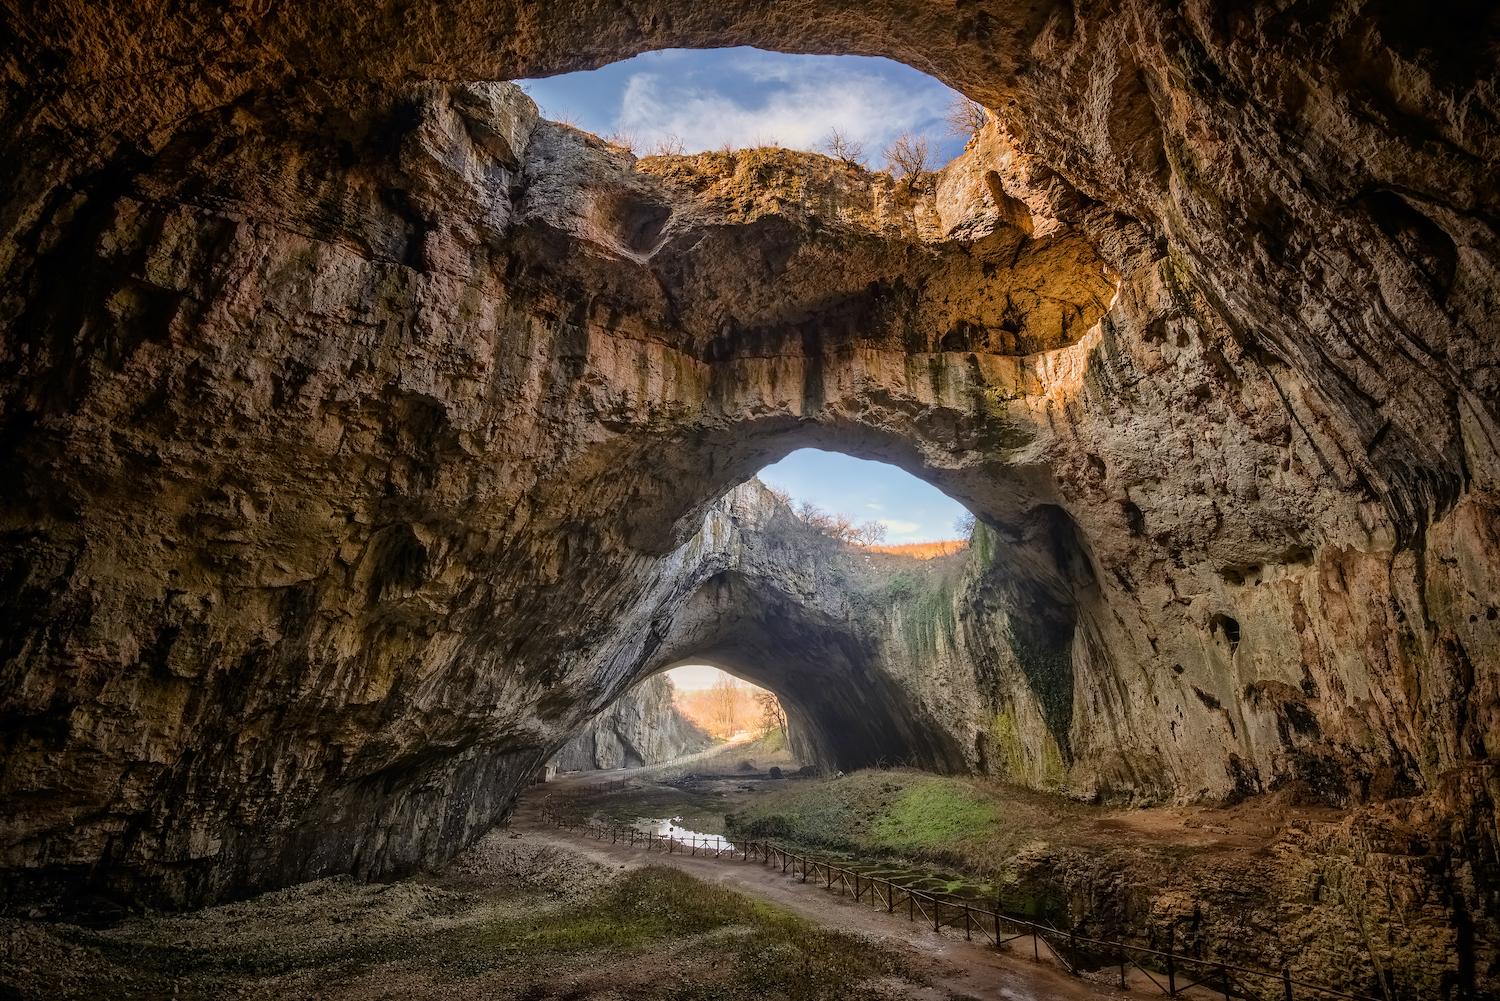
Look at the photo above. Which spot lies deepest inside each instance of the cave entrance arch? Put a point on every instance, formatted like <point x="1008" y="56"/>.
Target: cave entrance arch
<point x="767" y="598"/>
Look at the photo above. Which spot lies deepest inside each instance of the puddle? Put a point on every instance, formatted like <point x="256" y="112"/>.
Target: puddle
<point x="672" y="827"/>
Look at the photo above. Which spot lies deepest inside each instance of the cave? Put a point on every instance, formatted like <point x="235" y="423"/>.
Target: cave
<point x="367" y="434"/>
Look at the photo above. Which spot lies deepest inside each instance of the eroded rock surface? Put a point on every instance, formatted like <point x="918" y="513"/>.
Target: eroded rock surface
<point x="643" y="727"/>
<point x="361" y="427"/>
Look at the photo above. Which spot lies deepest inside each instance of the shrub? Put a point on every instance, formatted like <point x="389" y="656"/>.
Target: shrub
<point x="907" y="157"/>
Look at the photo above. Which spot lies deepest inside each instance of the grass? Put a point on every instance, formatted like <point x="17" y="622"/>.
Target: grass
<point x="933" y="814"/>
<point x="700" y="811"/>
<point x="651" y="933"/>
<point x="907" y="813"/>
<point x="643" y="907"/>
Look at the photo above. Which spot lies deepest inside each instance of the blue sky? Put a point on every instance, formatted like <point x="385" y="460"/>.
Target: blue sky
<point x="705" y="98"/>
<point x="910" y="509"/>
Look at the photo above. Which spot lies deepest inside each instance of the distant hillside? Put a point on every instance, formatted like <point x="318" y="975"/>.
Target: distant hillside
<point x="923" y="550"/>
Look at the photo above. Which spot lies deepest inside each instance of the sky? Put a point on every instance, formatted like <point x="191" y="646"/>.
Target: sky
<point x="706" y="98"/>
<point x="693" y="677"/>
<point x="911" y="510"/>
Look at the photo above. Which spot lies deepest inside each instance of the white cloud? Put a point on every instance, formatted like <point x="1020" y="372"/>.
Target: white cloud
<point x="895" y="526"/>
<point x="875" y="506"/>
<point x="802" y="103"/>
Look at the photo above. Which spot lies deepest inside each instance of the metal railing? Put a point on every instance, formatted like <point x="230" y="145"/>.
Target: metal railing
<point x="1170" y="971"/>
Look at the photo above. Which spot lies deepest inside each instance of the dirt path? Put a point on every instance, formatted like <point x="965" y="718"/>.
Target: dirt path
<point x="953" y="964"/>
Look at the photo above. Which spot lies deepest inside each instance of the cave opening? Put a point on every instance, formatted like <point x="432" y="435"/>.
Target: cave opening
<point x="862" y="110"/>
<point x="689" y="712"/>
<point x="877" y="506"/>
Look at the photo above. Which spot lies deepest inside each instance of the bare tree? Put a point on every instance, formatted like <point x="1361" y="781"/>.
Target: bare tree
<point x="964" y="524"/>
<point x="724" y="706"/>
<point x="906" y="157"/>
<point x="839" y="527"/>
<point x="965" y="117"/>
<point x="772" y="715"/>
<point x="840" y="146"/>
<point x="668" y="146"/>
<point x="623" y="140"/>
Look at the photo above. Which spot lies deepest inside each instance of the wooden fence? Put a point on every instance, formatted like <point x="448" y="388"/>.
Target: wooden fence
<point x="1172" y="972"/>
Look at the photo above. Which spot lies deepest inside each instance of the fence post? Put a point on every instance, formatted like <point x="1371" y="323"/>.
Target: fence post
<point x="1171" y="962"/>
<point x="1286" y="983"/>
<point x="936" y="907"/>
<point x="967" y="937"/>
<point x="1035" y="956"/>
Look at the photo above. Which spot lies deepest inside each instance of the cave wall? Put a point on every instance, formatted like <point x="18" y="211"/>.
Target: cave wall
<point x="643" y="727"/>
<point x="361" y="426"/>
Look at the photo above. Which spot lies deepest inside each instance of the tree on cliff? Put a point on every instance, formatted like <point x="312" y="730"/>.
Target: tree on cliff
<point x="906" y="157"/>
<point x="840" y="146"/>
<point x="772" y="715"/>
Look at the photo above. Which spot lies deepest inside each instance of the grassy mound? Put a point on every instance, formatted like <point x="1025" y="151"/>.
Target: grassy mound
<point x="897" y="812"/>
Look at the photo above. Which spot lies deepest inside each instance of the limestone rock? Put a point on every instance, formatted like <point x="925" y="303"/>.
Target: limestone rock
<point x="643" y="727"/>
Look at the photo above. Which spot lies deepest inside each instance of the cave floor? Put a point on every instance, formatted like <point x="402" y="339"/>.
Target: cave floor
<point x="1267" y="882"/>
<point x="949" y="967"/>
<point x="704" y="794"/>
<point x="518" y="915"/>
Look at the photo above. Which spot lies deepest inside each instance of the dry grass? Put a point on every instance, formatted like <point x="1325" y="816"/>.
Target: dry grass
<point x="507" y="920"/>
<point x="923" y="550"/>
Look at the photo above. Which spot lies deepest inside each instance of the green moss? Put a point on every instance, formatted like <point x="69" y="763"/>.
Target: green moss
<point x="900" y="587"/>
<point x="769" y="952"/>
<point x="517" y="937"/>
<point x="1054" y="771"/>
<point x="982" y="544"/>
<point x="1006" y="743"/>
<point x="934" y="814"/>
<point x="907" y="813"/>
<point x="928" y="617"/>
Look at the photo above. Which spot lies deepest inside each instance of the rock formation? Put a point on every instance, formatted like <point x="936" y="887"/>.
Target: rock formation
<point x="643" y="727"/>
<point x="363" y="430"/>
